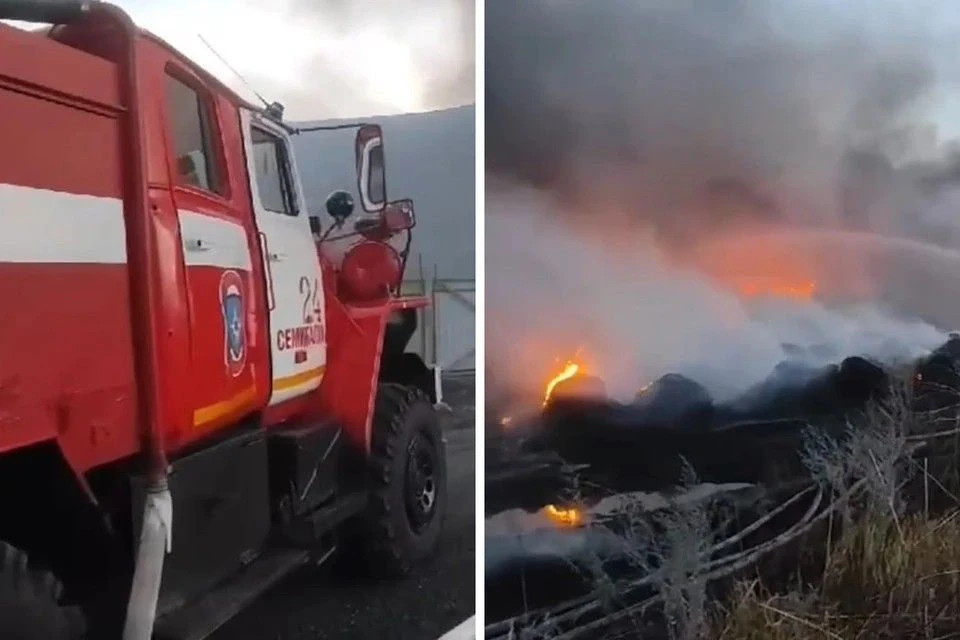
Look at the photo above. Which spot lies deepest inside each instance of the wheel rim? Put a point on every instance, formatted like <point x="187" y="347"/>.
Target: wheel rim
<point x="421" y="482"/>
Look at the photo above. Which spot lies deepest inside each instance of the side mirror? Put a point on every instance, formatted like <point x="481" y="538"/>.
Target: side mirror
<point x="371" y="170"/>
<point x="339" y="206"/>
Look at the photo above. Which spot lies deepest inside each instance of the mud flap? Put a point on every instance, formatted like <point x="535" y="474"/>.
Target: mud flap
<point x="409" y="369"/>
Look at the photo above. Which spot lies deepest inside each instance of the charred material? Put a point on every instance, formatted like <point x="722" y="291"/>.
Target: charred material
<point x="755" y="438"/>
<point x="613" y="453"/>
<point x="528" y="482"/>
<point x="554" y="570"/>
<point x="937" y="377"/>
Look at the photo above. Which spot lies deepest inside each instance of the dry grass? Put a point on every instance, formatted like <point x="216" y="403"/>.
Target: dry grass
<point x="883" y="580"/>
<point x="894" y="571"/>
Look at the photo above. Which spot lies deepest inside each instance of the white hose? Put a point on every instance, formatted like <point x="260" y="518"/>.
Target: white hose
<point x="438" y="388"/>
<point x="156" y="539"/>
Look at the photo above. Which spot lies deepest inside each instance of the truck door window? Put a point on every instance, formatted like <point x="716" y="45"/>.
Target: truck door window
<point x="193" y="147"/>
<point x="274" y="177"/>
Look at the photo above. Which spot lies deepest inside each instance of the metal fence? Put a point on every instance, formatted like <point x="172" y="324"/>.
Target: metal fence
<point x="446" y="329"/>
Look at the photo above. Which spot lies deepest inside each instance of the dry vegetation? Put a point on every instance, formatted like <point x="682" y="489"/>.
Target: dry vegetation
<point x="892" y="567"/>
<point x="875" y="552"/>
<point x="883" y="580"/>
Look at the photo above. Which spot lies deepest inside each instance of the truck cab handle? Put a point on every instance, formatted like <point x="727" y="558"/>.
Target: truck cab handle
<point x="198" y="244"/>
<point x="276" y="257"/>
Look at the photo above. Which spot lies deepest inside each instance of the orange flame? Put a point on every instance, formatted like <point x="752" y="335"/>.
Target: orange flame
<point x="793" y="291"/>
<point x="569" y="370"/>
<point x="567" y="518"/>
<point x="767" y="264"/>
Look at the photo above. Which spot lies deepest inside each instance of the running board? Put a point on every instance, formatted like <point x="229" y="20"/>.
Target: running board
<point x="198" y="620"/>
<point x="311" y="528"/>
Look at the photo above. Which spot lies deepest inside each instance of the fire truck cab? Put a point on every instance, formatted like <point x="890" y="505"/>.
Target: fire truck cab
<point x="198" y="394"/>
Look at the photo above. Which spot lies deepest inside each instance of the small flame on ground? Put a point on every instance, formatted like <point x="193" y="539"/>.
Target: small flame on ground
<point x="563" y="517"/>
<point x="506" y="420"/>
<point x="569" y="370"/>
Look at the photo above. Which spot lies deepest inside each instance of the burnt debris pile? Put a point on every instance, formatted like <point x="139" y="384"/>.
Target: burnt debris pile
<point x="624" y="463"/>
<point x="755" y="438"/>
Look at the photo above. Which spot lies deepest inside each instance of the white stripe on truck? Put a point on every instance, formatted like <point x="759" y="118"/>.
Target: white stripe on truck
<point x="41" y="226"/>
<point x="213" y="242"/>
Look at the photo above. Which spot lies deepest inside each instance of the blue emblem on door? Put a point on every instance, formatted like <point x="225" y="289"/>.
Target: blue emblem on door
<point x="233" y="308"/>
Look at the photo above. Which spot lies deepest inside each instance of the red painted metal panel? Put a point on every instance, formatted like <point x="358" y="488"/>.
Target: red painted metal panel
<point x="202" y="393"/>
<point x="66" y="360"/>
<point x="66" y="353"/>
<point x="60" y="70"/>
<point x="50" y="146"/>
<point x="82" y="386"/>
<point x="353" y="363"/>
<point x="173" y="318"/>
<point x="355" y="343"/>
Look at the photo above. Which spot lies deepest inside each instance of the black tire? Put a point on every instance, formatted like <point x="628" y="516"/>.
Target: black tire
<point x="30" y="606"/>
<point x="406" y="430"/>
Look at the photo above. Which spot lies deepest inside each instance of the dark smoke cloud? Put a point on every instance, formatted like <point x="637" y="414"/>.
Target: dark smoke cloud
<point x="445" y="59"/>
<point x="623" y="136"/>
<point x="755" y="109"/>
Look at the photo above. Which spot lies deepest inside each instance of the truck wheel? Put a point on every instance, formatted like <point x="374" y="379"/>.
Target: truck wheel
<point x="409" y="493"/>
<point x="29" y="602"/>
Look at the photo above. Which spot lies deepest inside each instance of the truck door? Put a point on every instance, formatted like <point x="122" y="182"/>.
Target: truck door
<point x="216" y="254"/>
<point x="291" y="263"/>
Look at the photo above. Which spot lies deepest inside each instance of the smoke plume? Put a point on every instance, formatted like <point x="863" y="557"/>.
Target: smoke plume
<point x="647" y="158"/>
<point x="437" y="36"/>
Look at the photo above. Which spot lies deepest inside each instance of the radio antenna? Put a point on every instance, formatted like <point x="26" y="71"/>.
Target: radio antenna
<point x="273" y="109"/>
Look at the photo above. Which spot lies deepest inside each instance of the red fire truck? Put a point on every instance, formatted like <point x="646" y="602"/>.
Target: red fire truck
<point x="196" y="395"/>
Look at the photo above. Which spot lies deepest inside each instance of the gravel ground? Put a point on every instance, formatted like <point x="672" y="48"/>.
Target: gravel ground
<point x="435" y="598"/>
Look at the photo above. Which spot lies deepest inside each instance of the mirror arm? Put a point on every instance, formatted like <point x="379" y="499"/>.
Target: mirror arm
<point x="337" y="224"/>
<point x="344" y="236"/>
<point x="404" y="253"/>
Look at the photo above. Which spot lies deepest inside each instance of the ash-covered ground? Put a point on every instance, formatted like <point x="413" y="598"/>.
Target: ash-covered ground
<point x="314" y="605"/>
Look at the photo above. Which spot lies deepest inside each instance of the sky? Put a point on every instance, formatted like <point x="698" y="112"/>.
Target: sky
<point x="328" y="58"/>
<point x="347" y="58"/>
